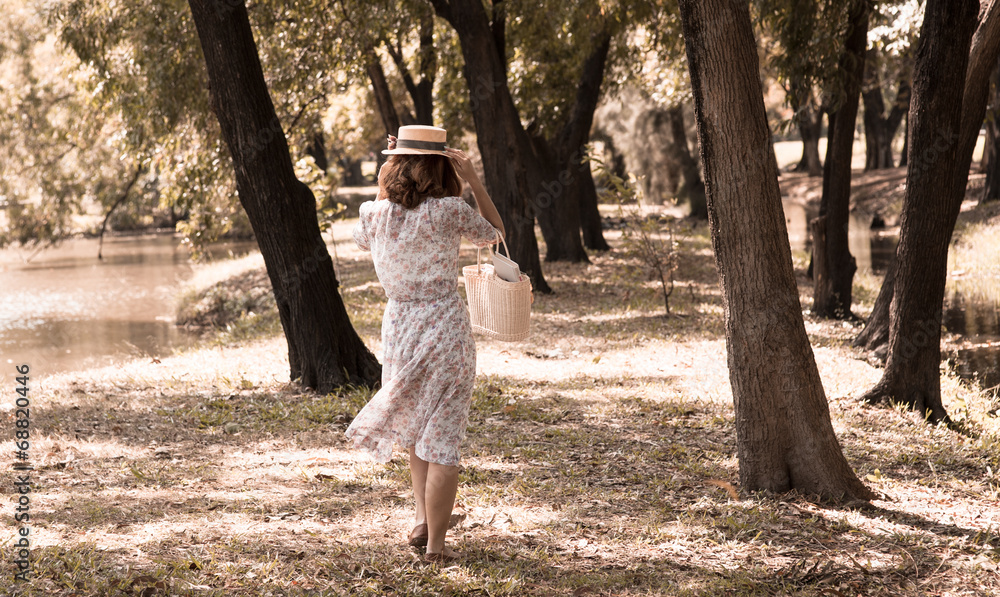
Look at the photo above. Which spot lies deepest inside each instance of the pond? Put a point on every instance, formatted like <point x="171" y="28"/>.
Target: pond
<point x="977" y="321"/>
<point x="63" y="309"/>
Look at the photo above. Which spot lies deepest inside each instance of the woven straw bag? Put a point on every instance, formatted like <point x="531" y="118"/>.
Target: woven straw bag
<point x="497" y="308"/>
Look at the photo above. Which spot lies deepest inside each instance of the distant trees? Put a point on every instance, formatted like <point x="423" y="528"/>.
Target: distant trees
<point x="784" y="436"/>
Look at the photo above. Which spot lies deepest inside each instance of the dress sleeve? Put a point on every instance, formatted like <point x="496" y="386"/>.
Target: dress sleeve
<point x="361" y="236"/>
<point x="473" y="226"/>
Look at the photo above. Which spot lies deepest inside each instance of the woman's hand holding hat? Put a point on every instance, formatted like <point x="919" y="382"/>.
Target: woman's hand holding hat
<point x="462" y="163"/>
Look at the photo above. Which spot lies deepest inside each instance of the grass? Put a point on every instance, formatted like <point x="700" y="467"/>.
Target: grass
<point x="600" y="460"/>
<point x="974" y="260"/>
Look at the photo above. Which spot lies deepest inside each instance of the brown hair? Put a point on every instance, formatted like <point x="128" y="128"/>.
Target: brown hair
<point x="409" y="179"/>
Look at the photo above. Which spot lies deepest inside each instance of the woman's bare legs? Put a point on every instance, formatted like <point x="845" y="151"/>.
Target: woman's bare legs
<point x="434" y="489"/>
<point x="418" y="474"/>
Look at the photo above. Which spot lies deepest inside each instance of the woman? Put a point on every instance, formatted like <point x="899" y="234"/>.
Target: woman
<point x="413" y="230"/>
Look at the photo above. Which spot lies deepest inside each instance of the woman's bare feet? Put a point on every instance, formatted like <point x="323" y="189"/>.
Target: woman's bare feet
<point x="444" y="557"/>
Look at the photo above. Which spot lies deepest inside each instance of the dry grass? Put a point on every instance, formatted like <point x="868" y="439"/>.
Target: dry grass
<point x="600" y="460"/>
<point x="974" y="260"/>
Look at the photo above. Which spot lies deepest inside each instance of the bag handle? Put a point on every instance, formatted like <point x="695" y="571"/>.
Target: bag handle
<point x="479" y="251"/>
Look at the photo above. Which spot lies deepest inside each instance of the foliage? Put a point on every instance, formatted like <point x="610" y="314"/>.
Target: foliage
<point x="57" y="156"/>
<point x="648" y="238"/>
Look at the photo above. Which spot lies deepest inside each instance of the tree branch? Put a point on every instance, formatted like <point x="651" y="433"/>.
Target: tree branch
<point x="443" y="9"/>
<point x="498" y="25"/>
<point x="397" y="58"/>
<point x="119" y="201"/>
<point x="575" y="131"/>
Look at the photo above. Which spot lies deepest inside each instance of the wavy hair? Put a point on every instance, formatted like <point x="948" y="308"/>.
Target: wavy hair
<point x="409" y="179"/>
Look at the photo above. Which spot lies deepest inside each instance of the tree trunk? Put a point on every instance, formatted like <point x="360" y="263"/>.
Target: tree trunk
<point x="503" y="143"/>
<point x="880" y="128"/>
<point x="317" y="149"/>
<point x="833" y="300"/>
<point x="590" y="214"/>
<point x="982" y="59"/>
<point x="422" y="92"/>
<point x="810" y="121"/>
<point x="875" y="336"/>
<point x="324" y="351"/>
<point x="991" y="192"/>
<point x="559" y="198"/>
<point x="784" y="436"/>
<point x="990" y="164"/>
<point x="906" y="140"/>
<point x="692" y="190"/>
<point x="930" y="208"/>
<point x="878" y="142"/>
<point x="383" y="95"/>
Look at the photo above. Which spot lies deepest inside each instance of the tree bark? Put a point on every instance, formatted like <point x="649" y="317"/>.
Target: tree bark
<point x="590" y="214"/>
<point x="784" y="436"/>
<point x="930" y="208"/>
<point x="503" y="143"/>
<point x="324" y="351"/>
<point x="833" y="300"/>
<point x="692" y="190"/>
<point x="875" y="336"/>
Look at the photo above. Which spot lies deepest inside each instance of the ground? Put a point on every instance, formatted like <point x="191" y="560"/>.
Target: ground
<point x="600" y="460"/>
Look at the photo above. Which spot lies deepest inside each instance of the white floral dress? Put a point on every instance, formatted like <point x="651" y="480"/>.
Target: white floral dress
<point x="429" y="360"/>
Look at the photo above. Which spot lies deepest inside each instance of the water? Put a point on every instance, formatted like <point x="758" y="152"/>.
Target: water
<point x="66" y="310"/>
<point x="978" y="322"/>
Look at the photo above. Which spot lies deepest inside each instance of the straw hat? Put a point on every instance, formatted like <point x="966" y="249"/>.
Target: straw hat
<point x="419" y="139"/>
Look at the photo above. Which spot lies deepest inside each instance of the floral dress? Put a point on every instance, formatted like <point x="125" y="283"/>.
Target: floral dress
<point x="429" y="360"/>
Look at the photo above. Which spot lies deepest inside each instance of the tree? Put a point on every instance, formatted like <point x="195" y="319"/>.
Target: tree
<point x="833" y="264"/>
<point x="945" y="101"/>
<point x="784" y="435"/>
<point x="880" y="127"/>
<point x="893" y="34"/>
<point x="808" y="38"/>
<point x="503" y="143"/>
<point x="324" y="351"/>
<point x="990" y="162"/>
<point x="982" y="60"/>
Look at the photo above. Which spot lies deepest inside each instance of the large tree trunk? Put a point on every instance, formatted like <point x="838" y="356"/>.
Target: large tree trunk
<point x="692" y="190"/>
<point x="982" y="60"/>
<point x="503" y="143"/>
<point x="559" y="199"/>
<point x="930" y="208"/>
<point x="784" y="436"/>
<point x="832" y="297"/>
<point x="324" y="351"/>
